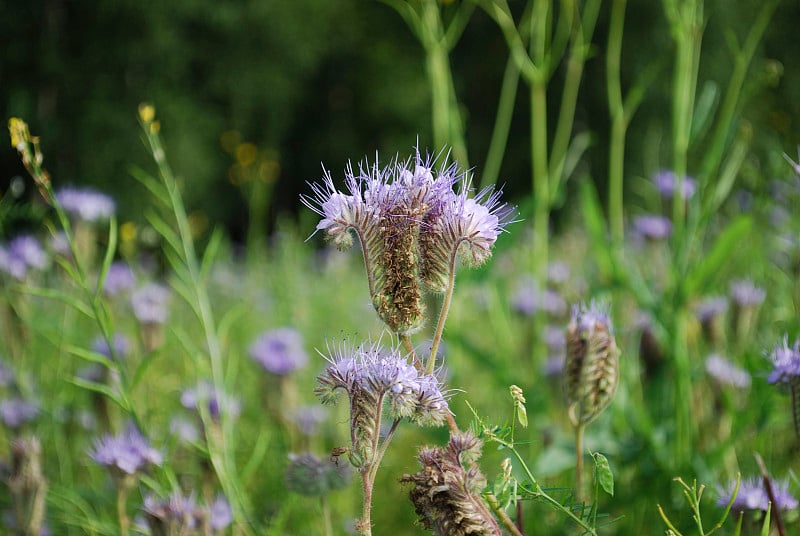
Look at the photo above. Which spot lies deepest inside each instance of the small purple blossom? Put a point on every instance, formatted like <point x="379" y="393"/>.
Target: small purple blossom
<point x="711" y="307"/>
<point x="309" y="418"/>
<point x="129" y="452"/>
<point x="786" y="362"/>
<point x="86" y="205"/>
<point x="150" y="303"/>
<point x="217" y="404"/>
<point x="558" y="272"/>
<point x="652" y="227"/>
<point x="23" y="253"/>
<point x="726" y="373"/>
<point x="585" y="318"/>
<point x="528" y="299"/>
<point x="745" y="293"/>
<point x="122" y="346"/>
<point x="382" y="373"/>
<point x="752" y="496"/>
<point x="14" y="412"/>
<point x="666" y="182"/>
<point x="185" y="430"/>
<point x="119" y="279"/>
<point x="279" y="351"/>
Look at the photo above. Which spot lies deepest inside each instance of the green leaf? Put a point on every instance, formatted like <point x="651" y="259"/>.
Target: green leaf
<point x="595" y="227"/>
<point x="603" y="474"/>
<point x="720" y="253"/>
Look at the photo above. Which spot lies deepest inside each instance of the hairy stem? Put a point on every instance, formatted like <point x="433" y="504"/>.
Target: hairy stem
<point x="448" y="297"/>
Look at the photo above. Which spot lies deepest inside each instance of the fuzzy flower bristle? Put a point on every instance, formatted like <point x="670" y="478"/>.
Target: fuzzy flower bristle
<point x="591" y="369"/>
<point x="373" y="377"/>
<point x="412" y="225"/>
<point x="446" y="492"/>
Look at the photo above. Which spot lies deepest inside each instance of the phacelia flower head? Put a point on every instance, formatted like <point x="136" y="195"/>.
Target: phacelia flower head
<point x="411" y="225"/>
<point x="309" y="475"/>
<point x="204" y="394"/>
<point x="666" y="183"/>
<point x="373" y="377"/>
<point x="279" y="351"/>
<point x="591" y="369"/>
<point x="150" y="303"/>
<point x="128" y="453"/>
<point x="726" y="373"/>
<point x="15" y="412"/>
<point x="652" y="227"/>
<point x="119" y="279"/>
<point x="786" y="363"/>
<point x="745" y="293"/>
<point x="86" y="205"/>
<point x="22" y="254"/>
<point x="753" y="496"/>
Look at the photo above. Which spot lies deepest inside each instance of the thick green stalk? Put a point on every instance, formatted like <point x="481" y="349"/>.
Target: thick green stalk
<point x="541" y="204"/>
<point x="619" y="125"/>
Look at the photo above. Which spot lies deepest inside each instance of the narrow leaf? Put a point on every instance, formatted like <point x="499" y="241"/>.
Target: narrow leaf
<point x="720" y="254"/>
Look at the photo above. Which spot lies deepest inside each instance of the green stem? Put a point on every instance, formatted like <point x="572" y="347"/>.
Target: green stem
<point x="541" y="216"/>
<point x="326" y="516"/>
<point x="364" y="525"/>
<point x="579" y="461"/>
<point x="501" y="514"/>
<point x="502" y="124"/>
<point x="618" y="123"/>
<point x="448" y="297"/>
<point x="122" y="514"/>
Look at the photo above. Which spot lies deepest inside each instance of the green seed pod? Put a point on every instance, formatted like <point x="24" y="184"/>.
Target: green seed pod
<point x="591" y="371"/>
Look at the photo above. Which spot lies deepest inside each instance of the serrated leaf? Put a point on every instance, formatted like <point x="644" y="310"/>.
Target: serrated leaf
<point x="603" y="474"/>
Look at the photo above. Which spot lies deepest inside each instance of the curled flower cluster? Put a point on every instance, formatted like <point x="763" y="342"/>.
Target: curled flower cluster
<point x="413" y="223"/>
<point x="372" y="376"/>
<point x="127" y="453"/>
<point x="753" y="496"/>
<point x="184" y="515"/>
<point x="446" y="492"/>
<point x="591" y="371"/>
<point x="786" y="363"/>
<point x="309" y="475"/>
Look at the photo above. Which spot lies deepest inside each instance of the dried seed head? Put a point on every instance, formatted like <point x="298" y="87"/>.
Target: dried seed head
<point x="446" y="492"/>
<point x="27" y="485"/>
<point x="591" y="370"/>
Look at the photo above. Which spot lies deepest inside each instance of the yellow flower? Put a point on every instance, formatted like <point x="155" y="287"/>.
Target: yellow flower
<point x="146" y="112"/>
<point x="18" y="130"/>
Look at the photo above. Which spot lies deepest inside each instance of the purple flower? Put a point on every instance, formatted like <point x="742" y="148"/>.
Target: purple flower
<point x="177" y="512"/>
<point x="786" y="362"/>
<point x="220" y="513"/>
<point x="128" y="452"/>
<point x="558" y="272"/>
<point x="528" y="299"/>
<point x="370" y="372"/>
<point x="279" y="351"/>
<point x="666" y="183"/>
<point x="150" y="303"/>
<point x="752" y="496"/>
<point x="22" y="254"/>
<point x="585" y="318"/>
<point x="184" y="429"/>
<point x="745" y="293"/>
<point x="555" y="338"/>
<point x="14" y="412"/>
<point x="652" y="227"/>
<point x="726" y="372"/>
<point x="309" y="418"/>
<point x="86" y="205"/>
<point x="119" y="279"/>
<point x="711" y="307"/>
<point x="217" y="404"/>
<point x="122" y="346"/>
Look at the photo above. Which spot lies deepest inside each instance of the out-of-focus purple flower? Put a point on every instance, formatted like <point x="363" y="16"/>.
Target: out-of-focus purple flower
<point x="786" y="363"/>
<point x="174" y="515"/>
<point x="185" y="430"/>
<point x="558" y="272"/>
<point x="151" y="303"/>
<point x="752" y="496"/>
<point x="528" y="299"/>
<point x="128" y="453"/>
<point x="204" y="394"/>
<point x="122" y="346"/>
<point x="22" y="254"/>
<point x="86" y="205"/>
<point x="6" y="375"/>
<point x="555" y="338"/>
<point x="311" y="476"/>
<point x="745" y="293"/>
<point x="309" y="418"/>
<point x="58" y="244"/>
<point x="220" y="513"/>
<point x="726" y="373"/>
<point x="666" y="182"/>
<point x="279" y="351"/>
<point x="30" y="250"/>
<point x="554" y="366"/>
<point x="711" y="307"/>
<point x="652" y="227"/>
<point x="119" y="279"/>
<point x="14" y="412"/>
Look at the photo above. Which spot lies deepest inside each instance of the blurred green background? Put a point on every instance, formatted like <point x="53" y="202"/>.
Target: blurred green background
<point x="267" y="90"/>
